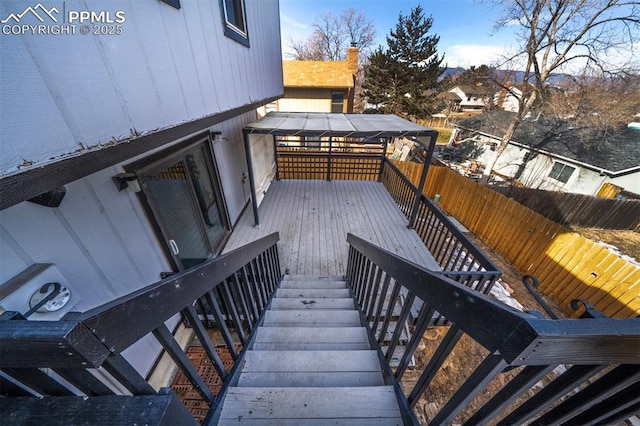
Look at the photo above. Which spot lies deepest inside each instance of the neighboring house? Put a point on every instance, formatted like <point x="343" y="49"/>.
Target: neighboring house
<point x="550" y="154"/>
<point x="509" y="100"/>
<point x="319" y="86"/>
<point x="471" y="98"/>
<point x="132" y="143"/>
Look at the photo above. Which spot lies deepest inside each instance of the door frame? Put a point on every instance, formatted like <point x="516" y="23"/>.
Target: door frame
<point x="165" y="158"/>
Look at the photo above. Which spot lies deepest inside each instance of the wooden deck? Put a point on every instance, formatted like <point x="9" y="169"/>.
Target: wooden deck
<point x="313" y="218"/>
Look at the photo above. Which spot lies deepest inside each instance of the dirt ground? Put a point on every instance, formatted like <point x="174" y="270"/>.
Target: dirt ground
<point x="513" y="278"/>
<point x="467" y="354"/>
<point x="627" y="242"/>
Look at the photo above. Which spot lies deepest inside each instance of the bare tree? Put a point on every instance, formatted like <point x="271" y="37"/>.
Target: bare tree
<point x="333" y="34"/>
<point x="560" y="36"/>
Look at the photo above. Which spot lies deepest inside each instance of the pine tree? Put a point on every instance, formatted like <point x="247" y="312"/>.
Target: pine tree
<point x="403" y="76"/>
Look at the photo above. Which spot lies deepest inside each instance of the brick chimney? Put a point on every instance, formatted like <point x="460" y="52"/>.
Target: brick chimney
<point x="352" y="58"/>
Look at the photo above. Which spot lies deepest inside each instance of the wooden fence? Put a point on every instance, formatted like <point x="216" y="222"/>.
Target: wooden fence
<point x="568" y="265"/>
<point x="587" y="211"/>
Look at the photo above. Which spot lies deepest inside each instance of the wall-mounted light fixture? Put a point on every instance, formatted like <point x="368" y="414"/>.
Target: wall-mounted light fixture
<point x="127" y="180"/>
<point x="216" y="137"/>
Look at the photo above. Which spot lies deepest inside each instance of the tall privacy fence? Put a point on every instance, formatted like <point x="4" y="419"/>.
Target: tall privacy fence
<point x="568" y="265"/>
<point x="587" y="211"/>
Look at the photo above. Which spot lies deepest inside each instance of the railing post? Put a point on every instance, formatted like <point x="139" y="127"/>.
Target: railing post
<point x="276" y="155"/>
<point x="423" y="178"/>
<point x="383" y="158"/>
<point x="252" y="183"/>
<point x="329" y="160"/>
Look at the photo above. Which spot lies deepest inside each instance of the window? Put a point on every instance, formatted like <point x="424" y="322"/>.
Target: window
<point x="561" y="172"/>
<point x="337" y="102"/>
<point x="235" y="22"/>
<point x="182" y="196"/>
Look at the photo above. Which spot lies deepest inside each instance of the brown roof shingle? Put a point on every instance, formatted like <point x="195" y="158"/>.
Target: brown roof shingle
<point x="320" y="74"/>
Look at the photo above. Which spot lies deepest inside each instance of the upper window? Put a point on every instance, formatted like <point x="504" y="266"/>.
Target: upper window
<point x="235" y="22"/>
<point x="337" y="102"/>
<point x="561" y="172"/>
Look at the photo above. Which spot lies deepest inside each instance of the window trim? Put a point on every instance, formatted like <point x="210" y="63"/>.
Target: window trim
<point x="342" y="104"/>
<point x="160" y="160"/>
<point x="232" y="31"/>
<point x="564" y="166"/>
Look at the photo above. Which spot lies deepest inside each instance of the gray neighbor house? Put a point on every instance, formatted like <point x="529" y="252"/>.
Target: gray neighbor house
<point x="550" y="154"/>
<point x="168" y="258"/>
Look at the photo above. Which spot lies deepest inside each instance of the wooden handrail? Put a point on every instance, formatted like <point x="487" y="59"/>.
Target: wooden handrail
<point x="521" y="339"/>
<point x="87" y="339"/>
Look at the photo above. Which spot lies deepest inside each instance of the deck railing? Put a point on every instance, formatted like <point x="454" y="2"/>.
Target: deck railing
<point x="461" y="260"/>
<point x="527" y="368"/>
<point x="328" y="159"/>
<point x="64" y="358"/>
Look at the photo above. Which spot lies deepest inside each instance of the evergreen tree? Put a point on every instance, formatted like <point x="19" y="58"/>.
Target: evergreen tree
<point x="403" y="76"/>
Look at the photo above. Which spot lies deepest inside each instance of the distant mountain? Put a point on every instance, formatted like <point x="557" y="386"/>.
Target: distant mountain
<point x="452" y="72"/>
<point x="515" y="76"/>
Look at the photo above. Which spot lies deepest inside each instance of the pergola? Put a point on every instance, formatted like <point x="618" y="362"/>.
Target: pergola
<point x="368" y="127"/>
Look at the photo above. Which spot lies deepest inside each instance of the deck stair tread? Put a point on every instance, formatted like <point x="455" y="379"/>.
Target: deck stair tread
<point x="314" y="284"/>
<point x="311" y="362"/>
<point x="310" y="318"/>
<point x="311" y="303"/>
<point x="315" y="278"/>
<point x="320" y="293"/>
<point x="268" y="403"/>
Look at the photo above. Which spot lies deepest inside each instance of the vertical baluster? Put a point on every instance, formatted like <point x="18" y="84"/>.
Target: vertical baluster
<point x="402" y="319"/>
<point x="551" y="392"/>
<point x="375" y="278"/>
<point x="387" y="319"/>
<point x="258" y="283"/>
<point x="123" y="372"/>
<point x="526" y="378"/>
<point x="376" y="296"/>
<point x="190" y="313"/>
<point x="248" y="305"/>
<point x="176" y="353"/>
<point x="492" y="365"/>
<point x="383" y="295"/>
<point x="444" y="349"/>
<point x="255" y="296"/>
<point x="217" y="314"/>
<point x="240" y="296"/>
<point x="233" y="310"/>
<point x="424" y="318"/>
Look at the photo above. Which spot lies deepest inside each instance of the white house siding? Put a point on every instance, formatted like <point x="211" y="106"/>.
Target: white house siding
<point x="101" y="240"/>
<point x="264" y="163"/>
<point x="630" y="182"/>
<point x="304" y="105"/>
<point x="307" y="100"/>
<point x="63" y="93"/>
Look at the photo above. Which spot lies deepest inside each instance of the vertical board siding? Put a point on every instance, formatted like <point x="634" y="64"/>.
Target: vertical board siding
<point x="568" y="265"/>
<point x="168" y="67"/>
<point x="579" y="209"/>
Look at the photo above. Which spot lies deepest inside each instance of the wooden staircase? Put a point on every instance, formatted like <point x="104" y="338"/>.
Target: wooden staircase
<point x="311" y="363"/>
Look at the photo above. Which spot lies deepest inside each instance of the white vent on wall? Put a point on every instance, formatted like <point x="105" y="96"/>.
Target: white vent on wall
<point x="23" y="292"/>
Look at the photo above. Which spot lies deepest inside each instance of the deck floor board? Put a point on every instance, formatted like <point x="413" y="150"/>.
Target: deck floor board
<point x="313" y="218"/>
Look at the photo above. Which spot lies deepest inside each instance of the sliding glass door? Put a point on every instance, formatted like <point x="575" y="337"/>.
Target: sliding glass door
<point x="183" y="195"/>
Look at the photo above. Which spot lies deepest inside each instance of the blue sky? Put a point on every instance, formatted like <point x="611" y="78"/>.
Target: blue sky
<point x="465" y="27"/>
